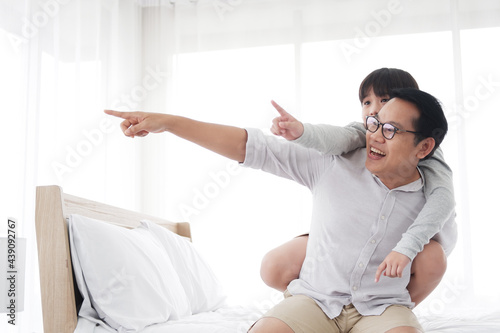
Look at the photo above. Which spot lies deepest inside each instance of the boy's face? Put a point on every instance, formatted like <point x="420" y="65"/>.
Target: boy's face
<point x="371" y="104"/>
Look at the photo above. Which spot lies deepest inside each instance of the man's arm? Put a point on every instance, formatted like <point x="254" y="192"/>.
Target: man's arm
<point x="225" y="140"/>
<point x="327" y="139"/>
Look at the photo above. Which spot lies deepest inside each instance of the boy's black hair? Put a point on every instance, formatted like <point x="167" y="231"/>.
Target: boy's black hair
<point x="383" y="80"/>
<point x="432" y="121"/>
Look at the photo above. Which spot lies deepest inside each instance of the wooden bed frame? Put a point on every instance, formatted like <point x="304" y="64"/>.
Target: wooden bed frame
<point x="60" y="302"/>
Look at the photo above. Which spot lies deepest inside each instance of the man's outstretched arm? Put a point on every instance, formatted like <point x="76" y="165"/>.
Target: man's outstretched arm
<point x="225" y="140"/>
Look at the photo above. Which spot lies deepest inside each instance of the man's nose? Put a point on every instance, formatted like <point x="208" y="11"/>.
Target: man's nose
<point x="377" y="135"/>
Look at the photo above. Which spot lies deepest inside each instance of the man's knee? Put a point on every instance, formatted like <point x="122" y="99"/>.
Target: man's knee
<point x="270" y="325"/>
<point x="404" y="329"/>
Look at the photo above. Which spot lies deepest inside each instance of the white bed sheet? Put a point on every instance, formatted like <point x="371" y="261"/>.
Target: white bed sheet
<point x="224" y="320"/>
<point x="464" y="323"/>
<point x="238" y="320"/>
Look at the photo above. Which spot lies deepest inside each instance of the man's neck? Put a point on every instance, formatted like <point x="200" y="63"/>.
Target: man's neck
<point x="392" y="181"/>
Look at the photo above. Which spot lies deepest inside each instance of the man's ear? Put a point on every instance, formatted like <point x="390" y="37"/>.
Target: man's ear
<point x="425" y="147"/>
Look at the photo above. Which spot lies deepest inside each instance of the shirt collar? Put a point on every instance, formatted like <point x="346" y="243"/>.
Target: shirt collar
<point x="414" y="186"/>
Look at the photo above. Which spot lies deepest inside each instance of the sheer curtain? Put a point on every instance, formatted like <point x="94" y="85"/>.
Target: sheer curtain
<point x="64" y="61"/>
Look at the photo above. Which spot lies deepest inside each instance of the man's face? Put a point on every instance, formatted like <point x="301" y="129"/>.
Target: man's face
<point x="394" y="161"/>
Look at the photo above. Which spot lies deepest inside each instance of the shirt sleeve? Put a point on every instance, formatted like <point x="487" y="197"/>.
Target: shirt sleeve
<point x="333" y="140"/>
<point x="438" y="210"/>
<point x="284" y="159"/>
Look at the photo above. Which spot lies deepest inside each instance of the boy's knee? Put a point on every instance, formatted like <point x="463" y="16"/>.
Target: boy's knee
<point x="270" y="270"/>
<point x="432" y="260"/>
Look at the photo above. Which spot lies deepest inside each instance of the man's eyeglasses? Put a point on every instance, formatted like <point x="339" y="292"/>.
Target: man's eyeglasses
<point x="388" y="130"/>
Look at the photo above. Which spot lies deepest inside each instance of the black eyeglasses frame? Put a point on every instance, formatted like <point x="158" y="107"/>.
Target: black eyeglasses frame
<point x="393" y="129"/>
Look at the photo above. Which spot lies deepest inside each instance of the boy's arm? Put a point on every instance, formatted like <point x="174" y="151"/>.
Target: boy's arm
<point x="438" y="209"/>
<point x="327" y="139"/>
<point x="333" y="140"/>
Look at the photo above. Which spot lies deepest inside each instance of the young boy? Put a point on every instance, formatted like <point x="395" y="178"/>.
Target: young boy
<point x="422" y="242"/>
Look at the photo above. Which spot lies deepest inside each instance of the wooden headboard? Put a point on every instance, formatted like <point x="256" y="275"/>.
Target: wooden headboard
<point x="53" y="206"/>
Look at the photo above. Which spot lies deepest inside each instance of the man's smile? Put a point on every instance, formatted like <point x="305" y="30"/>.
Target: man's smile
<point x="376" y="153"/>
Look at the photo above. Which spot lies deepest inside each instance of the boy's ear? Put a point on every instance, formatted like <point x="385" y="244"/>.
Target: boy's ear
<point x="425" y="147"/>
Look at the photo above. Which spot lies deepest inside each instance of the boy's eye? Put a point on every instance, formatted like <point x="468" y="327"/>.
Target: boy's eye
<point x="366" y="103"/>
<point x="384" y="100"/>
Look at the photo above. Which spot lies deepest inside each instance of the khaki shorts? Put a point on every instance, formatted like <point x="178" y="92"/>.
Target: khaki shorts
<point x="303" y="315"/>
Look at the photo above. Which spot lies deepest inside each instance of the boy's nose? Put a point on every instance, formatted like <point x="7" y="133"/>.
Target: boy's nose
<point x="375" y="108"/>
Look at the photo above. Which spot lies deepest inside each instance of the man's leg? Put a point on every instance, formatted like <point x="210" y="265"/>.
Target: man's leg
<point x="282" y="265"/>
<point x="395" y="319"/>
<point x="404" y="329"/>
<point x="427" y="270"/>
<point x="270" y="325"/>
<point x="297" y="313"/>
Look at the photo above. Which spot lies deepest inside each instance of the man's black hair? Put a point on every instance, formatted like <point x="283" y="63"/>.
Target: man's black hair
<point x="432" y="121"/>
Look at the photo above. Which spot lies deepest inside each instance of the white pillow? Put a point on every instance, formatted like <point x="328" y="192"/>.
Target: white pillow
<point x="202" y="287"/>
<point x="127" y="275"/>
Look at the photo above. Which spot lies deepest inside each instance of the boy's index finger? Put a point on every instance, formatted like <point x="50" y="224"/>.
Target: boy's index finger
<point x="380" y="269"/>
<point x="278" y="108"/>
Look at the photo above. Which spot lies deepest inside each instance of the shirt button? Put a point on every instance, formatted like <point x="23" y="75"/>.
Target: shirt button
<point x="382" y="217"/>
<point x="360" y="264"/>
<point x="354" y="288"/>
<point x="373" y="241"/>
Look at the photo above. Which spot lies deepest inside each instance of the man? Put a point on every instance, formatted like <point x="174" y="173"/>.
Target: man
<point x="363" y="202"/>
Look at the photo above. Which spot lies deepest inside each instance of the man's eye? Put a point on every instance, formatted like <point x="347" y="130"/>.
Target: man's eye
<point x="389" y="129"/>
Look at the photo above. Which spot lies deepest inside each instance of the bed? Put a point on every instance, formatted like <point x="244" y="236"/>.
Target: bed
<point x="65" y="224"/>
<point x="62" y="300"/>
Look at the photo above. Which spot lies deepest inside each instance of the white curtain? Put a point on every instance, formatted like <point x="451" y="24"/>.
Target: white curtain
<point x="64" y="61"/>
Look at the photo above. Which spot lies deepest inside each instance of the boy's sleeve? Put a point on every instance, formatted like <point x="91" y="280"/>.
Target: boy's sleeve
<point x="333" y="140"/>
<point x="438" y="209"/>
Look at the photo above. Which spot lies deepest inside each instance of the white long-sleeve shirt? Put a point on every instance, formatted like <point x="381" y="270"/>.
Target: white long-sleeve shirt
<point x="356" y="222"/>
<point x="438" y="186"/>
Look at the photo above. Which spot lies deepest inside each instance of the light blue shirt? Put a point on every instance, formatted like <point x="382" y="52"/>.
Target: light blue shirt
<point x="356" y="222"/>
<point x="438" y="187"/>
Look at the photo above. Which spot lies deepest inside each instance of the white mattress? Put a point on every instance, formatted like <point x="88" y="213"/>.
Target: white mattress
<point x="238" y="320"/>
